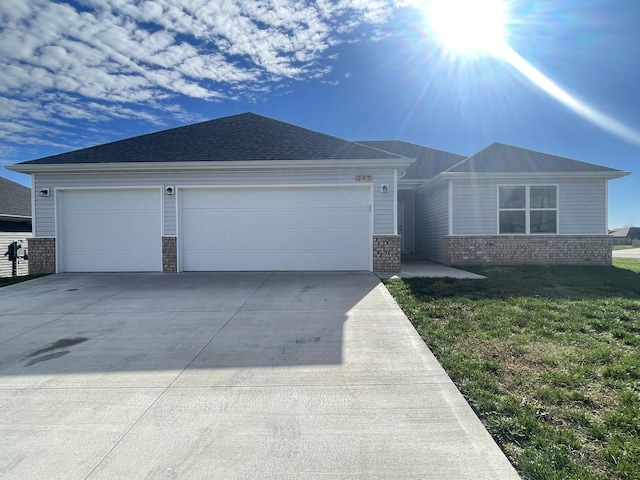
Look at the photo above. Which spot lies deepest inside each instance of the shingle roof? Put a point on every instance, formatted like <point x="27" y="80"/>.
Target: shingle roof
<point x="15" y="199"/>
<point x="630" y="232"/>
<point x="498" y="157"/>
<point x="236" y="138"/>
<point x="429" y="161"/>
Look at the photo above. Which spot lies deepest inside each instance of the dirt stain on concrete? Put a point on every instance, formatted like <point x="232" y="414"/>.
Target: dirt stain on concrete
<point x="44" y="358"/>
<point x="62" y="343"/>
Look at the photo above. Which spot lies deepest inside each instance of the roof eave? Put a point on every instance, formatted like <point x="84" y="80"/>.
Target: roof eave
<point x="208" y="166"/>
<point x="604" y="174"/>
<point x="410" y="183"/>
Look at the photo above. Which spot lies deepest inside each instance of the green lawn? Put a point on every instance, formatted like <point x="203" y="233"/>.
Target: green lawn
<point x="621" y="247"/>
<point x="549" y="358"/>
<point x="4" y="281"/>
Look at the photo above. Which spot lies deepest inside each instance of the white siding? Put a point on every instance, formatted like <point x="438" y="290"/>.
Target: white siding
<point x="383" y="207"/>
<point x="432" y="221"/>
<point x="6" y="266"/>
<point x="581" y="205"/>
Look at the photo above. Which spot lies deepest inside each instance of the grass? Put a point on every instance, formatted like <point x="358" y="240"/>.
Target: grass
<point x="548" y="357"/>
<point x="4" y="281"/>
<point x="632" y="264"/>
<point x="621" y="247"/>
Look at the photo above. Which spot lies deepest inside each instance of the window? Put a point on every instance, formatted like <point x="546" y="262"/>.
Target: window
<point x="526" y="209"/>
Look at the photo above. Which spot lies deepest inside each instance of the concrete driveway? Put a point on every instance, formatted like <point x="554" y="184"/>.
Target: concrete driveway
<point x="226" y="375"/>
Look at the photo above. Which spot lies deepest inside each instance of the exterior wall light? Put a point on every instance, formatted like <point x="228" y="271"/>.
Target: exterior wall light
<point x="169" y="190"/>
<point x="44" y="192"/>
<point x="384" y="188"/>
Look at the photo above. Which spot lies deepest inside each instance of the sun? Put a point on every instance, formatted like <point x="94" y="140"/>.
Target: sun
<point x="466" y="27"/>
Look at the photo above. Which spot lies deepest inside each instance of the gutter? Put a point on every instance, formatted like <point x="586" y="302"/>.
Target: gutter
<point x="255" y="165"/>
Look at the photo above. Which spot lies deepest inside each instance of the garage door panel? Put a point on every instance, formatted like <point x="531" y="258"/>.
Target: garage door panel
<point x="124" y="262"/>
<point x="311" y="228"/>
<point x="299" y="260"/>
<point x="273" y="241"/>
<point x="110" y="230"/>
<point x="95" y="220"/>
<point x="89" y="241"/>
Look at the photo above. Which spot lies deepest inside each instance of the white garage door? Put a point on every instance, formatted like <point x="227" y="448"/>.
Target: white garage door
<point x="109" y="231"/>
<point x="289" y="228"/>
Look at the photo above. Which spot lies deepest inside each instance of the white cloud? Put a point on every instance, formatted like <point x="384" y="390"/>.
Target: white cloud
<point x="97" y="60"/>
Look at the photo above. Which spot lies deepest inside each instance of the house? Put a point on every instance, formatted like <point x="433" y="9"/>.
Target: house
<point x="15" y="227"/>
<point x="247" y="192"/>
<point x="504" y="205"/>
<point x="625" y="236"/>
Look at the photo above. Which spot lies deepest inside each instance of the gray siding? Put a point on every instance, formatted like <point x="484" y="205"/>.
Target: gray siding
<point x="432" y="221"/>
<point x="44" y="215"/>
<point x="474" y="208"/>
<point x="6" y="266"/>
<point x="581" y="205"/>
<point x="169" y="211"/>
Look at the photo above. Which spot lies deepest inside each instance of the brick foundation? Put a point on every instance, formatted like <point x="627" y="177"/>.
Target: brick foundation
<point x="169" y="254"/>
<point x="386" y="253"/>
<point x="42" y="255"/>
<point x="528" y="250"/>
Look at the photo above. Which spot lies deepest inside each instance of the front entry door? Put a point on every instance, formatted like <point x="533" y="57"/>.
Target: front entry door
<point x="403" y="241"/>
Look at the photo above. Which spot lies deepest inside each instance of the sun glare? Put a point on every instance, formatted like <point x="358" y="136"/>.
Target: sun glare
<point x="472" y="28"/>
<point x="468" y="26"/>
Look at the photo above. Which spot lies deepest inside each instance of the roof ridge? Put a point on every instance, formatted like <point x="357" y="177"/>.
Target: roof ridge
<point x="413" y="145"/>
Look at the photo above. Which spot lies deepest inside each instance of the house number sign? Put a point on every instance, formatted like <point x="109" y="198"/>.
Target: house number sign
<point x="364" y="178"/>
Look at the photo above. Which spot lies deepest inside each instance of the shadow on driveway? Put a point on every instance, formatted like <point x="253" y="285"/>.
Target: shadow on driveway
<point x="65" y="324"/>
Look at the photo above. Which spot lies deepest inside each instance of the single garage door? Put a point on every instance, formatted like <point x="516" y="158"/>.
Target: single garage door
<point x="109" y="230"/>
<point x="285" y="228"/>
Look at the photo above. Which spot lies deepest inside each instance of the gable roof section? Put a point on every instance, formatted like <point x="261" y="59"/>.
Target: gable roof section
<point x="15" y="199"/>
<point x="500" y="158"/>
<point x="625" y="232"/>
<point x="244" y="137"/>
<point x="429" y="161"/>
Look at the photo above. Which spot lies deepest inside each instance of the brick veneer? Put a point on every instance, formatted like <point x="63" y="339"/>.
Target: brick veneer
<point x="169" y="255"/>
<point x="42" y="255"/>
<point x="386" y="253"/>
<point x="528" y="250"/>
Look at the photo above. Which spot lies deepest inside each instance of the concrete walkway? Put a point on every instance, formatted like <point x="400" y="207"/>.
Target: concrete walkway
<point x="419" y="268"/>
<point x="627" y="253"/>
<point x="238" y="375"/>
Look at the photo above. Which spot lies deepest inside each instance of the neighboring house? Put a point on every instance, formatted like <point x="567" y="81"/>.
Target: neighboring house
<point x="251" y="193"/>
<point x="625" y="235"/>
<point x="15" y="225"/>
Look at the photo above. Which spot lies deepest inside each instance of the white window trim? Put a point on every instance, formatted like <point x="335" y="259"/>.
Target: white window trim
<point x="528" y="208"/>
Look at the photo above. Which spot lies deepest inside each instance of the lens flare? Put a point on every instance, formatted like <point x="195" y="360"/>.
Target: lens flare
<point x="467" y="28"/>
<point x="588" y="112"/>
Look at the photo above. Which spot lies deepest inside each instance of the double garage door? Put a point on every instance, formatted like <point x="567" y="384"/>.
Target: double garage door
<point x="219" y="229"/>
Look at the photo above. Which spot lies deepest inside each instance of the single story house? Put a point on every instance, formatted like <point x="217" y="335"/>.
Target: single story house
<point x="626" y="236"/>
<point x="246" y="192"/>
<point x="503" y="205"/>
<point x="15" y="227"/>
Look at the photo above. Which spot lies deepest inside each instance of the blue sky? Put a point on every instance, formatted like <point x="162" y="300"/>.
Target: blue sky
<point x="76" y="74"/>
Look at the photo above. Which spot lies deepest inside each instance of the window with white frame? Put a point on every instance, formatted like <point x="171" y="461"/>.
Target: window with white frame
<point x="527" y="209"/>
